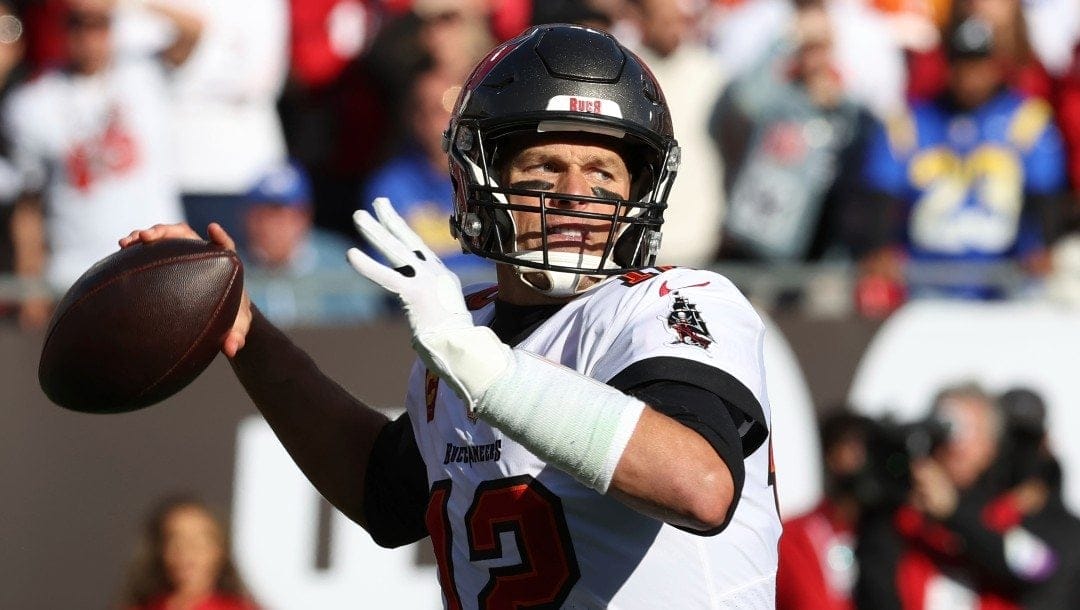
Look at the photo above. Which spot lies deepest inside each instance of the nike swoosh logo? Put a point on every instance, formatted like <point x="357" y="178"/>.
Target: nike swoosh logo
<point x="664" y="290"/>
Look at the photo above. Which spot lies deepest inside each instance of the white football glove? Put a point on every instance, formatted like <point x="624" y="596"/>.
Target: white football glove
<point x="468" y="357"/>
<point x="578" y="424"/>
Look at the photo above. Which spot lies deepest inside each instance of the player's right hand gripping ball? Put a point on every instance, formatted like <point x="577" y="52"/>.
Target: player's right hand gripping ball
<point x="140" y="325"/>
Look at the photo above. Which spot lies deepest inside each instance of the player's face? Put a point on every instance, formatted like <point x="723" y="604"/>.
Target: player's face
<point x="571" y="168"/>
<point x="193" y="549"/>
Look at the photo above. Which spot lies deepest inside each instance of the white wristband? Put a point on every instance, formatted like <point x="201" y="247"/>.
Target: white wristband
<point x="575" y="423"/>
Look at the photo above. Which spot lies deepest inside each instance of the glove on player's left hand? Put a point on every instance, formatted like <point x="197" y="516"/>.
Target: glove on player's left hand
<point x="535" y="401"/>
<point x="466" y="356"/>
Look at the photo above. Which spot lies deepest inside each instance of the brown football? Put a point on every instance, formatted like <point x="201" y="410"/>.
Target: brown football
<point x="140" y="325"/>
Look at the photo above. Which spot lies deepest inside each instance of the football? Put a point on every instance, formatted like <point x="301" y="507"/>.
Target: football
<point x="140" y="325"/>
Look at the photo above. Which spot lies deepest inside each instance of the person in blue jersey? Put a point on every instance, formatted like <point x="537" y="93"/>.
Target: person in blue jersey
<point x="972" y="177"/>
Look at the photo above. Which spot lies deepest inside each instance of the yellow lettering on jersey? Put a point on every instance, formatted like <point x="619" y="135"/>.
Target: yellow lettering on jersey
<point x="1029" y="122"/>
<point x="928" y="167"/>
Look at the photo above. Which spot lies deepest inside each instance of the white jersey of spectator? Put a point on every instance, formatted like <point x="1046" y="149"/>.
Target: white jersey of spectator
<point x="869" y="59"/>
<point x="604" y="553"/>
<point x="224" y="118"/>
<point x="99" y="149"/>
<point x="692" y="80"/>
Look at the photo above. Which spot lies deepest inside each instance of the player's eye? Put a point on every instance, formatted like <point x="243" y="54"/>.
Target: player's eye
<point x="603" y="175"/>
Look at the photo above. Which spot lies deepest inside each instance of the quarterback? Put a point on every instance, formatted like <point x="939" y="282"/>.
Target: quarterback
<point x="590" y="431"/>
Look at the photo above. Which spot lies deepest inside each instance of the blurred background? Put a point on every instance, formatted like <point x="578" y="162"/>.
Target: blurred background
<point x="895" y="184"/>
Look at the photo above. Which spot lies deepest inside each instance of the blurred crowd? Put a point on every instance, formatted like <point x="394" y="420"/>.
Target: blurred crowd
<point x="962" y="509"/>
<point x="931" y="147"/>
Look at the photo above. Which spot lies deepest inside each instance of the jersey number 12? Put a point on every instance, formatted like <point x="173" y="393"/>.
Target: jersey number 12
<point x="519" y="505"/>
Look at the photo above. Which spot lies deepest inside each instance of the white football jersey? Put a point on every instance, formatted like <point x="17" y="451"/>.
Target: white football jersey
<point x="511" y="531"/>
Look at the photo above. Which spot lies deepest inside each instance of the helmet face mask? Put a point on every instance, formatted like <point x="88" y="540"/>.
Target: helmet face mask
<point x="560" y="84"/>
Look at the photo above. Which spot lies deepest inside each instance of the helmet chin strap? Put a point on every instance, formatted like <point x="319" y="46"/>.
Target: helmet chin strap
<point x="559" y="283"/>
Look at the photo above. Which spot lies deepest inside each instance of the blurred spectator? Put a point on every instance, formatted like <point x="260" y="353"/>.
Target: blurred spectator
<point x="417" y="179"/>
<point x="12" y="73"/>
<point x="454" y="33"/>
<point x="341" y="120"/>
<point x="817" y="551"/>
<point x="1033" y="41"/>
<point x="184" y="562"/>
<point x="1067" y="106"/>
<point x="581" y="12"/>
<point x="868" y="57"/>
<point x="325" y="36"/>
<point x="973" y="177"/>
<point x="791" y="141"/>
<point x="1034" y="499"/>
<point x="294" y="271"/>
<point x="335" y="105"/>
<point x="956" y="542"/>
<point x="92" y="143"/>
<point x="691" y="78"/>
<point x="224" y="118"/>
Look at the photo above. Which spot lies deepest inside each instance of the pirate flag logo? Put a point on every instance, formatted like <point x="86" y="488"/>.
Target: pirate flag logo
<point x="689" y="327"/>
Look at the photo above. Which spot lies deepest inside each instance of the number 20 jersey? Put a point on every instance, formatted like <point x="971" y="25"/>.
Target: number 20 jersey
<point x="510" y="531"/>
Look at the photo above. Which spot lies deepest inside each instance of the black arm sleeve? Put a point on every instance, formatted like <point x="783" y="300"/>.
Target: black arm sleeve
<point x="328" y="432"/>
<point x="396" y="489"/>
<point x="749" y="418"/>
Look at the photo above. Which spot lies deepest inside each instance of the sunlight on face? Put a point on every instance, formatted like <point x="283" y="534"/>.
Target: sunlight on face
<point x="588" y="169"/>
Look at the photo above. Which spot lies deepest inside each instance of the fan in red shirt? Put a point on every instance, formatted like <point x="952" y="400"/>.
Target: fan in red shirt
<point x="817" y="555"/>
<point x="184" y="562"/>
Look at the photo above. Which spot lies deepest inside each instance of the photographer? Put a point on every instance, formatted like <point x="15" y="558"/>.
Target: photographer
<point x="1034" y="500"/>
<point x="956" y="538"/>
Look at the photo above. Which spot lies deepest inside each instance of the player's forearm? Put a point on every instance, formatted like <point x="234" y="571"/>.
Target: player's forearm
<point x="327" y="431"/>
<point x="671" y="473"/>
<point x="607" y="440"/>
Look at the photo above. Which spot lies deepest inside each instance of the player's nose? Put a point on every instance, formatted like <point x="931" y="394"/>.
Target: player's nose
<point x="572" y="182"/>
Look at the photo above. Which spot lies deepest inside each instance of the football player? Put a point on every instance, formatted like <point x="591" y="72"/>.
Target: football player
<point x="589" y="432"/>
